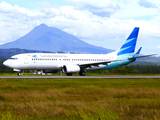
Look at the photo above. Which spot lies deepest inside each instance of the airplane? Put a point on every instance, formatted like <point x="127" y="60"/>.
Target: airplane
<point x="77" y="63"/>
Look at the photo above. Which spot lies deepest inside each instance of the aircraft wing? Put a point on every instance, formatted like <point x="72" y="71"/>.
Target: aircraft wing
<point x="99" y="63"/>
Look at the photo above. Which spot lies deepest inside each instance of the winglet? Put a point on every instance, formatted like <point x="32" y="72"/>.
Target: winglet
<point x="137" y="53"/>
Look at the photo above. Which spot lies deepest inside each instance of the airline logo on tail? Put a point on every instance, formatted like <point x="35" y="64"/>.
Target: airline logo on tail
<point x="129" y="46"/>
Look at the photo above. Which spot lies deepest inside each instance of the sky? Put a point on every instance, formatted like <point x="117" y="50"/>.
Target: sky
<point x="104" y="23"/>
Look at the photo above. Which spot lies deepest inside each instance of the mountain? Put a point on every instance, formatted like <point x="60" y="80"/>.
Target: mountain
<point x="46" y="38"/>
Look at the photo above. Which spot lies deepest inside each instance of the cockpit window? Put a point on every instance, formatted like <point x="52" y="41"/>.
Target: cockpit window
<point x="13" y="58"/>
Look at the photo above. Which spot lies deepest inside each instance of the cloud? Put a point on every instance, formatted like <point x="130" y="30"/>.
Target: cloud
<point x="133" y="10"/>
<point x="102" y="8"/>
<point x="78" y="22"/>
<point x="147" y="4"/>
<point x="18" y="12"/>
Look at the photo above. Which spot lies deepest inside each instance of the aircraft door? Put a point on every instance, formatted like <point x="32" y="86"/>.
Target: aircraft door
<point x="26" y="60"/>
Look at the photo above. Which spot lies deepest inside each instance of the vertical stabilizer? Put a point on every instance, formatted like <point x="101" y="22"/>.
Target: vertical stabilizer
<point x="128" y="47"/>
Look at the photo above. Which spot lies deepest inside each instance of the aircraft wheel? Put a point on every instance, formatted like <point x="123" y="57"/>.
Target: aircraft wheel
<point x="69" y="74"/>
<point x="19" y="74"/>
<point x="82" y="73"/>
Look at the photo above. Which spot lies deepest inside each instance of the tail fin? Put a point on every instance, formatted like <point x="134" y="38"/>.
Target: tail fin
<point x="129" y="46"/>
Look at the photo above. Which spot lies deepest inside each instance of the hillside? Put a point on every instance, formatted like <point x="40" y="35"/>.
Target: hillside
<point x="51" y="39"/>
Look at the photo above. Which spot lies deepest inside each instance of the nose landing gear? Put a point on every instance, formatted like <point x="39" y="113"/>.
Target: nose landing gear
<point x="19" y="74"/>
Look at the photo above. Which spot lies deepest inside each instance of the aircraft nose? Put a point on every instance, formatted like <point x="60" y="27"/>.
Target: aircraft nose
<point x="6" y="63"/>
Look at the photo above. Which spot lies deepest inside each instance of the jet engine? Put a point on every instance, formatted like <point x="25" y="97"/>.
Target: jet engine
<point x="71" y="68"/>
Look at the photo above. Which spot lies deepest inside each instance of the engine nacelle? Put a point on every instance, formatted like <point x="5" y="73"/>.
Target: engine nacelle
<point x="71" y="68"/>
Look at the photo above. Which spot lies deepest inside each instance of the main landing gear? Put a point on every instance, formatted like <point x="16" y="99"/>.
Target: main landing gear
<point x="82" y="73"/>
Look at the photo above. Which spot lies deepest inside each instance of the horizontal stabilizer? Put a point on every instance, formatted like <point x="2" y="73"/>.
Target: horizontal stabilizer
<point x="146" y="55"/>
<point x="137" y="53"/>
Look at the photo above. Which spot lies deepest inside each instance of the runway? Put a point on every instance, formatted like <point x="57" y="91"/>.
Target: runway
<point x="80" y="77"/>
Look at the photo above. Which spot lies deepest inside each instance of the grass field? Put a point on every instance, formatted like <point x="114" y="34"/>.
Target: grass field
<point x="82" y="99"/>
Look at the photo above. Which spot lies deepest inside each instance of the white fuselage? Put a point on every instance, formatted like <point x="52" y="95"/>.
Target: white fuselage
<point x="50" y="61"/>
